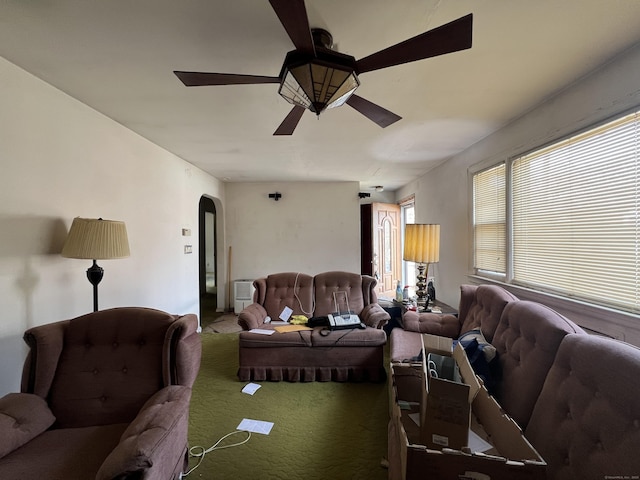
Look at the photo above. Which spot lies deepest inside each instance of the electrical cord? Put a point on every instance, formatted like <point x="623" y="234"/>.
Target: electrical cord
<point x="295" y="294"/>
<point x="198" y="451"/>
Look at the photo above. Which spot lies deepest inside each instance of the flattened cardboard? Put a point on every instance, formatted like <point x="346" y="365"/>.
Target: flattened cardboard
<point x="447" y="416"/>
<point x="445" y="413"/>
<point x="436" y="344"/>
<point x="512" y="458"/>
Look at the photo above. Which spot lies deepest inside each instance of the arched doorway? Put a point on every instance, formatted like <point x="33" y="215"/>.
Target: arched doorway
<point x="207" y="260"/>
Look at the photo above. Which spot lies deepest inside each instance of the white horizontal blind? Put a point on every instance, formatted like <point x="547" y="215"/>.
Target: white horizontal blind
<point x="489" y="227"/>
<point x="576" y="223"/>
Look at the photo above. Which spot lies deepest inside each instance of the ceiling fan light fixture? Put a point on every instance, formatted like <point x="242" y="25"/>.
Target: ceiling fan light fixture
<point x="316" y="85"/>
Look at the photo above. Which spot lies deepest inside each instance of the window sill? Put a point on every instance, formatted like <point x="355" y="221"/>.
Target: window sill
<point x="606" y="321"/>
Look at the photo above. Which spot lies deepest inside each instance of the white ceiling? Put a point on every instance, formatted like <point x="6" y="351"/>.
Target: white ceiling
<point x="118" y="56"/>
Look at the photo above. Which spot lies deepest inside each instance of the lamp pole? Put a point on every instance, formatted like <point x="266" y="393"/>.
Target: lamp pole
<point x="94" y="274"/>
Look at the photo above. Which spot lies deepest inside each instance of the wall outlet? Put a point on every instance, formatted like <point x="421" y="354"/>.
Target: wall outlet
<point x="186" y="232"/>
<point x="431" y="279"/>
<point x="188" y="249"/>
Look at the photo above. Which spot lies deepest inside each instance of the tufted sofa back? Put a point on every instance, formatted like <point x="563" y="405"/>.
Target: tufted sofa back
<point x="288" y="289"/>
<point x="313" y="296"/>
<point x="481" y="307"/>
<point x="527" y="339"/>
<point x="100" y="368"/>
<point x="359" y="288"/>
<point x="586" y="423"/>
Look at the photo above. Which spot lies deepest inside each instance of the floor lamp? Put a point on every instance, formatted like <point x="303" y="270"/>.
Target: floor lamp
<point x="422" y="246"/>
<point x="96" y="239"/>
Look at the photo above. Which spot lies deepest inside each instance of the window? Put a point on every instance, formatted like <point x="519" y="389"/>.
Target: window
<point x="575" y="217"/>
<point x="489" y="220"/>
<point x="408" y="217"/>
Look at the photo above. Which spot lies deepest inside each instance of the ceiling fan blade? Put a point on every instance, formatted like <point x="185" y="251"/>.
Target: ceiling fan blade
<point x="450" y="37"/>
<point x="373" y="112"/>
<point x="197" y="79"/>
<point x="293" y="16"/>
<point x="290" y="122"/>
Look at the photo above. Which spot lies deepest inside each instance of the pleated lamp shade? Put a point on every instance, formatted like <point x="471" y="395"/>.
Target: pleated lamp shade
<point x="422" y="243"/>
<point x="96" y="239"/>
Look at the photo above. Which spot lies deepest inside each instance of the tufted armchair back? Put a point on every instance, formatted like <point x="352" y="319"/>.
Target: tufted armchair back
<point x="481" y="307"/>
<point x="527" y="339"/>
<point x="359" y="288"/>
<point x="288" y="289"/>
<point x="100" y="368"/>
<point x="586" y="423"/>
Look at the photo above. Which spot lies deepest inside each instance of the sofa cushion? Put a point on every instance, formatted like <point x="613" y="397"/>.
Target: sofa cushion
<point x="481" y="307"/>
<point x="352" y="337"/>
<point x="586" y="423"/>
<point x="288" y="289"/>
<point x="434" y="323"/>
<point x="404" y="346"/>
<point x="329" y="282"/>
<point x="23" y="416"/>
<point x="527" y="340"/>
<point x="62" y="454"/>
<point x="300" y="338"/>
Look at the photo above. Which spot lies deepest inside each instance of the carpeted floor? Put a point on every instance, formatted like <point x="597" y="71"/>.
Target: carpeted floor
<point x="224" y="323"/>
<point x="322" y="430"/>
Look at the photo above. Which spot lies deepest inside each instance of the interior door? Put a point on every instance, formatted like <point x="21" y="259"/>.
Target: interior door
<point x="381" y="244"/>
<point x="207" y="259"/>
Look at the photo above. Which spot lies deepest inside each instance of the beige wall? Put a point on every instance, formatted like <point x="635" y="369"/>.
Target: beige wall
<point x="442" y="195"/>
<point x="314" y="227"/>
<point x="60" y="159"/>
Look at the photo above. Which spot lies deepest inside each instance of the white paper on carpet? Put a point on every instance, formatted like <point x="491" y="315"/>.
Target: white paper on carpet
<point x="255" y="426"/>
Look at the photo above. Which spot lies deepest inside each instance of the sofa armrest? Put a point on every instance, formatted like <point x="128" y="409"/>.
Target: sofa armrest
<point x="433" y="323"/>
<point x="252" y="316"/>
<point x="155" y="442"/>
<point x="23" y="416"/>
<point x="373" y="315"/>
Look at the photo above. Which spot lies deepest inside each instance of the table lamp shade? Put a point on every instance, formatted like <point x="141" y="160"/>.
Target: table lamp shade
<point x="97" y="239"/>
<point x="422" y="243"/>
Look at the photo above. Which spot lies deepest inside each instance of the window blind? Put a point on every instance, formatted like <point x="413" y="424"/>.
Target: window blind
<point x="576" y="220"/>
<point x="489" y="226"/>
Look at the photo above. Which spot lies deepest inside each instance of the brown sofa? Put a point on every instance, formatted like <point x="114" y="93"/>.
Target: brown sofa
<point x="573" y="394"/>
<point x="586" y="419"/>
<point x="317" y="354"/>
<point x="105" y="396"/>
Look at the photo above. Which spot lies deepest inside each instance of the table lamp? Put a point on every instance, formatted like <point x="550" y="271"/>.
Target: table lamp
<point x="422" y="246"/>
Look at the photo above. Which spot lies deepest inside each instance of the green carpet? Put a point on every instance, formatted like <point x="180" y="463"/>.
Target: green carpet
<point x="323" y="430"/>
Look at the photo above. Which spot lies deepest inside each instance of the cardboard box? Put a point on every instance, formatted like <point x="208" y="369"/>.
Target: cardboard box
<point x="510" y="455"/>
<point x="436" y="344"/>
<point x="445" y="413"/>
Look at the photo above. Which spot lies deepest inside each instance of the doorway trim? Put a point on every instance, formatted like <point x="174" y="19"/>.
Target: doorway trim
<point x="211" y="204"/>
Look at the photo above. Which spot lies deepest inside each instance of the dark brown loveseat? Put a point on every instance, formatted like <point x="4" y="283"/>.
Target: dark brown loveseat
<point x="313" y="355"/>
<point x="104" y="396"/>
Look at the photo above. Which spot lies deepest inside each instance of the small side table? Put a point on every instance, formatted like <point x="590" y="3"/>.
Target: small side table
<point x="444" y="308"/>
<point x="394" y="309"/>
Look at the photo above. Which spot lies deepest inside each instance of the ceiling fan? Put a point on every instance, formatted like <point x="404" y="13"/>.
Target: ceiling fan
<point x="315" y="77"/>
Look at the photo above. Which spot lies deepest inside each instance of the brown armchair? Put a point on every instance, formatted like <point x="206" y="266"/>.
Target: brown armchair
<point x="105" y="396"/>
